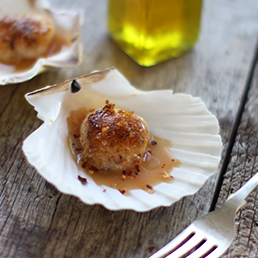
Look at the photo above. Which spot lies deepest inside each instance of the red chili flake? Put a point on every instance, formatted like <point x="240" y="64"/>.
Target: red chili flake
<point x="171" y="177"/>
<point x="83" y="180"/>
<point x="84" y="164"/>
<point x="151" y="248"/>
<point x="153" y="142"/>
<point x="93" y="168"/>
<point x="104" y="190"/>
<point x="122" y="191"/>
<point x="172" y="160"/>
<point x="149" y="151"/>
<point x="20" y="139"/>
<point x="78" y="148"/>
<point x="76" y="135"/>
<point x="127" y="173"/>
<point x="150" y="187"/>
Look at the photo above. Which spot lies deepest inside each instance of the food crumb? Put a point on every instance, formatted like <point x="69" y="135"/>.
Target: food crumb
<point x="150" y="248"/>
<point x="123" y="177"/>
<point x="83" y="180"/>
<point x="114" y="185"/>
<point x="166" y="175"/>
<point x="104" y="190"/>
<point x="150" y="189"/>
<point x="91" y="172"/>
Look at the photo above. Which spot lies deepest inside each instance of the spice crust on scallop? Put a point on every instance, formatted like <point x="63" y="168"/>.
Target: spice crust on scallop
<point x="113" y="138"/>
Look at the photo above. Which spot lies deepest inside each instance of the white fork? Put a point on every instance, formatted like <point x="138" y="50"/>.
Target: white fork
<point x="211" y="235"/>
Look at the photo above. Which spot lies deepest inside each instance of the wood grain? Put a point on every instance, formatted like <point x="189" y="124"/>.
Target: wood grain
<point x="38" y="221"/>
<point x="242" y="166"/>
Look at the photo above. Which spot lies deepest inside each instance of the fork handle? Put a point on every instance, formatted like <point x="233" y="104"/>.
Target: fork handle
<point x="237" y="199"/>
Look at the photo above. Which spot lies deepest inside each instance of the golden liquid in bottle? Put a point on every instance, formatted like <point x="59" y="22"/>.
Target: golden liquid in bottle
<point x="152" y="31"/>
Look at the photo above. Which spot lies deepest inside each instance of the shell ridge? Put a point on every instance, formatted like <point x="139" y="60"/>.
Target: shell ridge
<point x="198" y="161"/>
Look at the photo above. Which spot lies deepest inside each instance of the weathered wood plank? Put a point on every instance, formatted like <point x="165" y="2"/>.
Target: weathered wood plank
<point x="242" y="166"/>
<point x="38" y="221"/>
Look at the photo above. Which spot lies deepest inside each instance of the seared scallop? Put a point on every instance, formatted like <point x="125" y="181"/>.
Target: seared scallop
<point x="113" y="139"/>
<point x="24" y="37"/>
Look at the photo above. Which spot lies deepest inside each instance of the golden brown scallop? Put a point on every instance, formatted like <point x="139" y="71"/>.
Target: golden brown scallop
<point x="113" y="139"/>
<point x="24" y="37"/>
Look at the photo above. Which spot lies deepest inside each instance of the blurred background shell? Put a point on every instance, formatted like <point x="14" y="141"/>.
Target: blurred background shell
<point x="67" y="25"/>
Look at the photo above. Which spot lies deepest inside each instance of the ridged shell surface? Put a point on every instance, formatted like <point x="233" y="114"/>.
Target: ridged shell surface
<point x="180" y="118"/>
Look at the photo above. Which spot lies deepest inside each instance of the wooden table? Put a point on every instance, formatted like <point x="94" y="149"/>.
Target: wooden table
<point x="38" y="221"/>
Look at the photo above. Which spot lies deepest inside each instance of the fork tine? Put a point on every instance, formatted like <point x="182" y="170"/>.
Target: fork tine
<point x="187" y="238"/>
<point x="175" y="243"/>
<point x="219" y="251"/>
<point x="203" y="250"/>
<point x="189" y="245"/>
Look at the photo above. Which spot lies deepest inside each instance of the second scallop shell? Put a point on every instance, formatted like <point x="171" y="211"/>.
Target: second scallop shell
<point x="64" y="50"/>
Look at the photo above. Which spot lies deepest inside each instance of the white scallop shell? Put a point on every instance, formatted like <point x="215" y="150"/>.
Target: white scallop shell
<point x="181" y="118"/>
<point x="67" y="23"/>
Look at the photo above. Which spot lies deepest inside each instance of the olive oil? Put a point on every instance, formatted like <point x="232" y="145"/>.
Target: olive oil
<point x="152" y="31"/>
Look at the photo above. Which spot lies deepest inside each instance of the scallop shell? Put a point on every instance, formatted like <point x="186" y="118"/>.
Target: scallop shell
<point x="181" y="118"/>
<point x="67" y="23"/>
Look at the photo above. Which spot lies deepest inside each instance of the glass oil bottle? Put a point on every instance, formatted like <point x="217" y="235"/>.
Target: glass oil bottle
<point x="152" y="31"/>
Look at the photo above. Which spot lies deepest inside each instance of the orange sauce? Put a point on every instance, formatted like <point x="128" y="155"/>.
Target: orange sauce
<point x="154" y="169"/>
<point x="57" y="44"/>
